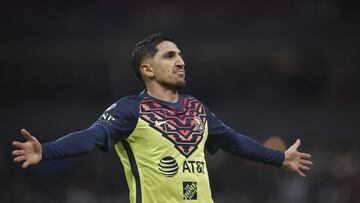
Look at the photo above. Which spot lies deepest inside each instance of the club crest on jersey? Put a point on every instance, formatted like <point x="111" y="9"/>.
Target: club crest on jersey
<point x="199" y="124"/>
<point x="183" y="128"/>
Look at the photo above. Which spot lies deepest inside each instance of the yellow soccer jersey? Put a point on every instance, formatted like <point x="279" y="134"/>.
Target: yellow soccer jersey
<point x="161" y="146"/>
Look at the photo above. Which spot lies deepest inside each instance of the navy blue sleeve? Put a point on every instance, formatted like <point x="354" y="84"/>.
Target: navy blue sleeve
<point x="222" y="136"/>
<point x="113" y="126"/>
<point x="77" y="143"/>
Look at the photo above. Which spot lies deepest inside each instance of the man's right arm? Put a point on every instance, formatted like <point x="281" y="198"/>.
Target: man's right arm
<point x="114" y="125"/>
<point x="77" y="143"/>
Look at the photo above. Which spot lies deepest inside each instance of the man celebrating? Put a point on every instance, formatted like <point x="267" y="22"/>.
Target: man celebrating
<point x="160" y="135"/>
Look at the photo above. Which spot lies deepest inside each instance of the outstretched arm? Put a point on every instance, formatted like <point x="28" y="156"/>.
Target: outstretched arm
<point x="221" y="136"/>
<point x="28" y="152"/>
<point x="114" y="125"/>
<point x="74" y="144"/>
<point x="296" y="161"/>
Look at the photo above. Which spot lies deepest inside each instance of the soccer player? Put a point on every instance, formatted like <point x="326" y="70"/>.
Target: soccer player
<point x="160" y="135"/>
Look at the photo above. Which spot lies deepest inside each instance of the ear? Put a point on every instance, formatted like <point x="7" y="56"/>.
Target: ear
<point x="146" y="70"/>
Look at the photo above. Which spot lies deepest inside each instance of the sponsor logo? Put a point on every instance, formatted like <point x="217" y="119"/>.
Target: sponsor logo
<point x="190" y="190"/>
<point x="106" y="117"/>
<point x="194" y="167"/>
<point x="168" y="166"/>
<point x="158" y="123"/>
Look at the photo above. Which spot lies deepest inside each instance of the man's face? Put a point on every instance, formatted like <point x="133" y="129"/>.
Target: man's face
<point x="168" y="66"/>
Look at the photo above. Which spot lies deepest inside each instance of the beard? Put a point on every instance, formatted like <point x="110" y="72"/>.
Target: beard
<point x="179" y="85"/>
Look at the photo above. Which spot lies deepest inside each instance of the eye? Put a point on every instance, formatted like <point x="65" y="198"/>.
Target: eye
<point x="169" y="55"/>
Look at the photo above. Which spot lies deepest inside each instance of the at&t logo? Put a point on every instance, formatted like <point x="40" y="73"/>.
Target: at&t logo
<point x="168" y="166"/>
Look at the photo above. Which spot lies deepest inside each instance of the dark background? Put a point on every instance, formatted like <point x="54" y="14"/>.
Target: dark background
<point x="283" y="67"/>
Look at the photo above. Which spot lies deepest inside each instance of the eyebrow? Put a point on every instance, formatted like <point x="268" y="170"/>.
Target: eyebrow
<point x="171" y="52"/>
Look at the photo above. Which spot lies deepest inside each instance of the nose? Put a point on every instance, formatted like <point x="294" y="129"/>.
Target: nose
<point x="180" y="62"/>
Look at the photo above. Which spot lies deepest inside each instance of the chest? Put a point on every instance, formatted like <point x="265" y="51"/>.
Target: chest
<point x="183" y="127"/>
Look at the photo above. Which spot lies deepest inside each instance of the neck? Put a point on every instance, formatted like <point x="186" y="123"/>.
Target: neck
<point x="162" y="93"/>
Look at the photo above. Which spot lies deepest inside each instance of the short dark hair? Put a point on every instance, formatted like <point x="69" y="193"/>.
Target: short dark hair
<point x="146" y="49"/>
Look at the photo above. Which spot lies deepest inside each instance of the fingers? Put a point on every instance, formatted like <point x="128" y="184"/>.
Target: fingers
<point x="18" y="152"/>
<point x="25" y="164"/>
<point x="18" y="145"/>
<point x="301" y="174"/>
<point x="20" y="158"/>
<point x="21" y="153"/>
<point x="26" y="134"/>
<point x="306" y="162"/>
<point x="303" y="167"/>
<point x="305" y="155"/>
<point x="296" y="144"/>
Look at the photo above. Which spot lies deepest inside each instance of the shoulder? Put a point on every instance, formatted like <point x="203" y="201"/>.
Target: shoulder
<point x="121" y="116"/>
<point x="128" y="105"/>
<point x="128" y="100"/>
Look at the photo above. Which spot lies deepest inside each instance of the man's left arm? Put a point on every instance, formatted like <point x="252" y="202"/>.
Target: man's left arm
<point x="222" y="136"/>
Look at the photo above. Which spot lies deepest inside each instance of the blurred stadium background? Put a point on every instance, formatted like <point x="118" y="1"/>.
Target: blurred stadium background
<point x="282" y="68"/>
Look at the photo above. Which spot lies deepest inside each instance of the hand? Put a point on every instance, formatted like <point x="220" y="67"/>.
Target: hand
<point x="29" y="152"/>
<point x="296" y="161"/>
